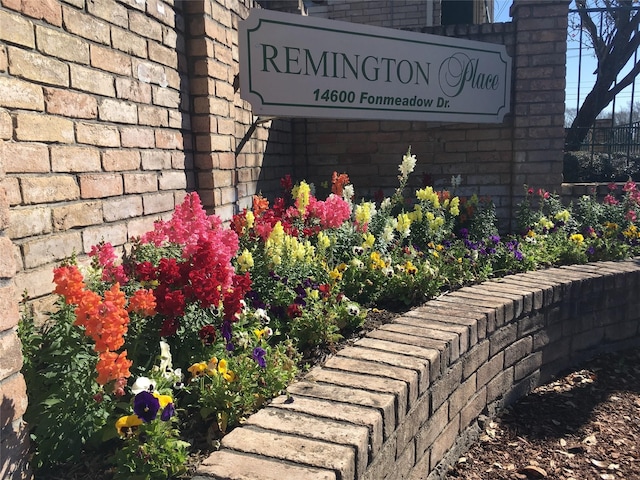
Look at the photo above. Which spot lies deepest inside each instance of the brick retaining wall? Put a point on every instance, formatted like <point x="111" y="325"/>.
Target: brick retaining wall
<point x="403" y="402"/>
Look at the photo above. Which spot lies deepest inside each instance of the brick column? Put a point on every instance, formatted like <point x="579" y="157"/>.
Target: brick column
<point x="13" y="434"/>
<point x="538" y="94"/>
<point x="212" y="71"/>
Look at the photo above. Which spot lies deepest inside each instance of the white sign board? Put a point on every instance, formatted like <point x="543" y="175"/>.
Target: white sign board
<point x="298" y="66"/>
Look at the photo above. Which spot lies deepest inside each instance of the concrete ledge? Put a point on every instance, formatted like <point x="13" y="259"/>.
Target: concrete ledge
<point x="404" y="402"/>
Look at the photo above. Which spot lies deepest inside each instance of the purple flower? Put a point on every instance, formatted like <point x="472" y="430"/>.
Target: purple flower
<point x="167" y="412"/>
<point x="226" y="330"/>
<point x="258" y="355"/>
<point x="146" y="406"/>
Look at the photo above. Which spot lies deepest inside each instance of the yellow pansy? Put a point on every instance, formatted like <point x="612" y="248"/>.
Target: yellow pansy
<point x="197" y="369"/>
<point x="127" y="421"/>
<point x="577" y="238"/>
<point x="223" y="369"/>
<point x="164" y="400"/>
<point x="377" y="261"/>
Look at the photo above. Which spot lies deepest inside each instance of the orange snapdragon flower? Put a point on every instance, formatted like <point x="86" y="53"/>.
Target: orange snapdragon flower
<point x="143" y="302"/>
<point x="69" y="283"/>
<point x="338" y="183"/>
<point x="112" y="366"/>
<point x="260" y="205"/>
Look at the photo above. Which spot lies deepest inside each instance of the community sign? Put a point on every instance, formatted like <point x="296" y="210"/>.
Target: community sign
<point x="299" y="66"/>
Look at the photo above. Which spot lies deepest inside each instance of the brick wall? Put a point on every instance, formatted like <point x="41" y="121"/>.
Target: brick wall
<point x="13" y="403"/>
<point x="95" y="126"/>
<point x="236" y="153"/>
<point x="400" y="14"/>
<point x="403" y="401"/>
<point x="495" y="160"/>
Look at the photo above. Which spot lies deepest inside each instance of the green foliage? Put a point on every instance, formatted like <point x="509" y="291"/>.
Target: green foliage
<point x="154" y="452"/>
<point x="67" y="411"/>
<point x="242" y="308"/>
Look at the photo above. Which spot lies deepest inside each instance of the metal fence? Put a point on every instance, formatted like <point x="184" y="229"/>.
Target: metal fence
<point x="613" y="139"/>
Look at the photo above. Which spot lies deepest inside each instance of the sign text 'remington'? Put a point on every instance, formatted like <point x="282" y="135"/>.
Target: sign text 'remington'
<point x="296" y="66"/>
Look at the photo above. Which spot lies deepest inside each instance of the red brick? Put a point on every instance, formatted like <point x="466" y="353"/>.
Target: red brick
<point x="117" y="111"/>
<point x="96" y="134"/>
<point x="157" y="203"/>
<point x="4" y="59"/>
<point x="100" y="185"/>
<point x="48" y="10"/>
<point x="39" y="68"/>
<point x="75" y="159"/>
<point x="170" y="180"/>
<point x="115" y="234"/>
<point x="92" y="80"/>
<point x="7" y="262"/>
<point x="36" y="282"/>
<point x="11" y="186"/>
<point x="169" y="139"/>
<point x="165" y="97"/>
<point x="153" y="116"/>
<point x="122" y="207"/>
<point x="110" y="61"/>
<point x="156" y="160"/>
<point x="4" y="208"/>
<point x="137" y="137"/>
<point x="140" y="182"/>
<point x="29" y="222"/>
<point x="70" y="104"/>
<point x="119" y="160"/>
<point x="145" y="26"/>
<point x="109" y="11"/>
<point x="164" y="55"/>
<point x="9" y="307"/>
<point x="130" y="89"/>
<point x="76" y="215"/>
<point x="128" y="42"/>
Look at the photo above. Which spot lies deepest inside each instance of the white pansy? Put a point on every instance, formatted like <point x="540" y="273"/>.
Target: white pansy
<point x="262" y="315"/>
<point x="143" y="384"/>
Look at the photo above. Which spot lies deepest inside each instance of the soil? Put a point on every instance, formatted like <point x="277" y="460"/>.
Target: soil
<point x="585" y="425"/>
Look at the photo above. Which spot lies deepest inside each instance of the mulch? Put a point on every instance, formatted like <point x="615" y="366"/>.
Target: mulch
<point x="584" y="425"/>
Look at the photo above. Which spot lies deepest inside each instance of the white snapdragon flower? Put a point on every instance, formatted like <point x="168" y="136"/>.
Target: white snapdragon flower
<point x="456" y="181"/>
<point x="408" y="164"/>
<point x="347" y="193"/>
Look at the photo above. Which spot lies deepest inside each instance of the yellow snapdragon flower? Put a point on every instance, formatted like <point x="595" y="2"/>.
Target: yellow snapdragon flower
<point x="301" y="193"/>
<point x="245" y="261"/>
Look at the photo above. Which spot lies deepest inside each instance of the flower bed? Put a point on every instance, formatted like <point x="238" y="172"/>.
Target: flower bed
<point x="168" y="346"/>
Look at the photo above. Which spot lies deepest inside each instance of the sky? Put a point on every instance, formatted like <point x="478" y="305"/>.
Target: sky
<point x="587" y="67"/>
